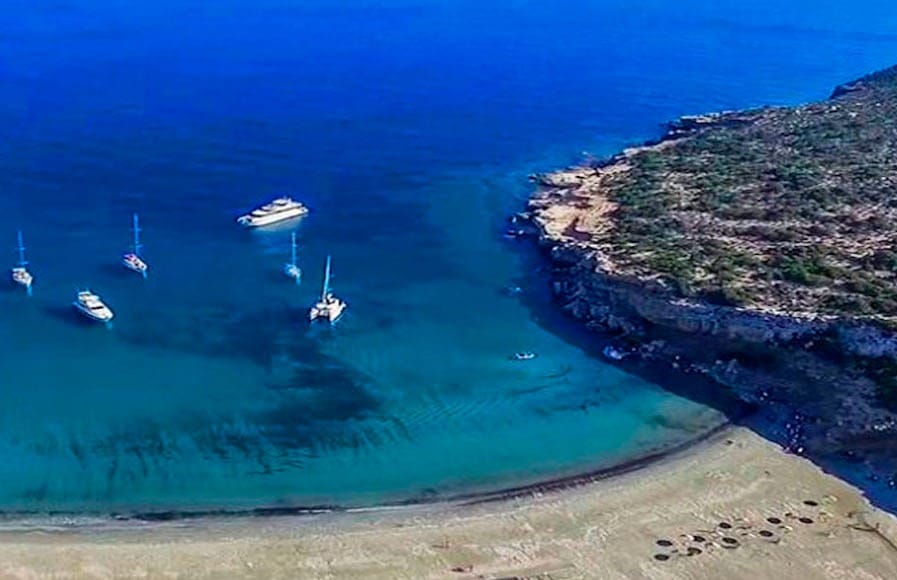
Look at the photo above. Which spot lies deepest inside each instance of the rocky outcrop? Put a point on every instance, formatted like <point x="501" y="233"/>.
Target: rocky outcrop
<point x="615" y="303"/>
<point x="847" y="89"/>
<point x="863" y="84"/>
<point x="690" y="124"/>
<point x="819" y="371"/>
<point x="825" y="409"/>
<point x="866" y="340"/>
<point x="569" y="212"/>
<point x="618" y="304"/>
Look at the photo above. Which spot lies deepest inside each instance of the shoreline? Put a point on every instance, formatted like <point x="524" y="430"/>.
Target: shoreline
<point x="37" y="520"/>
<point x="728" y="486"/>
<point x="557" y="485"/>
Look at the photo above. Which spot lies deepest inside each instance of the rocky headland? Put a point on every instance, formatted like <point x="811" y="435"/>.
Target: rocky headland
<point x="758" y="248"/>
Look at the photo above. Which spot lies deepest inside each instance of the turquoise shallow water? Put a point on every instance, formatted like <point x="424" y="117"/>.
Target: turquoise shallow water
<point x="408" y="128"/>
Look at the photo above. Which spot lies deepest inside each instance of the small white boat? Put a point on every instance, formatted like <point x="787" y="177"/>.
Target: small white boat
<point x="329" y="307"/>
<point x="514" y="234"/>
<point x="135" y="264"/>
<point x="20" y="274"/>
<point x="614" y="353"/>
<point x="23" y="278"/>
<point x="281" y="209"/>
<point x="132" y="261"/>
<point x="523" y="355"/>
<point x="91" y="306"/>
<point x="291" y="269"/>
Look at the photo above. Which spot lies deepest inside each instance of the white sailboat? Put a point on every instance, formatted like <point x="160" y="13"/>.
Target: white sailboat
<point x="20" y="274"/>
<point x="329" y="307"/>
<point x="92" y="306"/>
<point x="132" y="261"/>
<point x="292" y="269"/>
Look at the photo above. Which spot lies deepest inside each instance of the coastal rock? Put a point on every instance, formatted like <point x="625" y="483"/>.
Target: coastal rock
<point x="867" y="341"/>
<point x="780" y="355"/>
<point x="690" y="124"/>
<point x="575" y="214"/>
<point x="621" y="303"/>
<point x="847" y="89"/>
<point x="594" y="294"/>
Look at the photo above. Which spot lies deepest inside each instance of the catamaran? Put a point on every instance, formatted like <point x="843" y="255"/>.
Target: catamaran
<point x="132" y="261"/>
<point x="281" y="209"/>
<point x="91" y="306"/>
<point x="20" y="274"/>
<point x="329" y="307"/>
<point x="292" y="269"/>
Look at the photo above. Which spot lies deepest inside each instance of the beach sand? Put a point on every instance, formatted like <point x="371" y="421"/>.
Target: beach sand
<point x="615" y="528"/>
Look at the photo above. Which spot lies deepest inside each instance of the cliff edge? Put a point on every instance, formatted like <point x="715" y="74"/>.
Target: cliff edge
<point x="771" y="230"/>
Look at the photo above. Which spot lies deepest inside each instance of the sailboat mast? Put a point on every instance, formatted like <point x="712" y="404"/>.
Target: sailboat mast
<point x="21" y="248"/>
<point x="293" y="255"/>
<point x="137" y="244"/>
<point x="326" y="289"/>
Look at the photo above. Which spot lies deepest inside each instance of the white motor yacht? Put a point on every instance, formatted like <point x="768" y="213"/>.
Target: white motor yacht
<point x="281" y="209"/>
<point x="329" y="307"/>
<point x="132" y="260"/>
<point x="91" y="306"/>
<point x="20" y="274"/>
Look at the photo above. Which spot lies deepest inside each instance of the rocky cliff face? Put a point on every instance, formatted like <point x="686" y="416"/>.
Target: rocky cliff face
<point x="572" y="214"/>
<point x="614" y="303"/>
<point x="827" y="403"/>
<point x="824" y="410"/>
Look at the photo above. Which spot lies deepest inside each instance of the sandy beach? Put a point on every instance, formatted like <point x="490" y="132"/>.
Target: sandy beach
<point x="733" y="507"/>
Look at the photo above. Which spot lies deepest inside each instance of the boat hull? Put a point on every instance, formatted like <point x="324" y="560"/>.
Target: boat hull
<point x="250" y="221"/>
<point x="86" y="313"/>
<point x="21" y="278"/>
<point x="101" y="316"/>
<point x="134" y="264"/>
<point x="292" y="271"/>
<point x="613" y="354"/>
<point x="326" y="312"/>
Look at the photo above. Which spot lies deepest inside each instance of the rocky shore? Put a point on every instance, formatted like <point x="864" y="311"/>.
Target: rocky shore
<point x="807" y="372"/>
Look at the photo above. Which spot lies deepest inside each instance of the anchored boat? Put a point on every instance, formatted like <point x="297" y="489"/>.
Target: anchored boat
<point x="91" y="306"/>
<point x="329" y="307"/>
<point x="281" y="209"/>
<point x="614" y="353"/>
<point x="132" y="261"/>
<point x="292" y="269"/>
<point x="20" y="274"/>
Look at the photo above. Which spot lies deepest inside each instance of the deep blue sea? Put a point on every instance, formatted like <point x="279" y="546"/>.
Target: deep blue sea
<point x="408" y="127"/>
